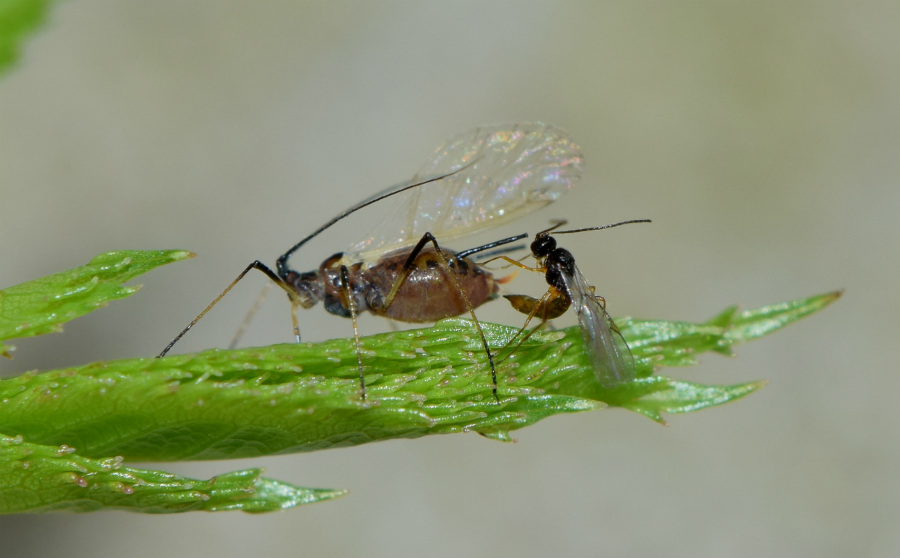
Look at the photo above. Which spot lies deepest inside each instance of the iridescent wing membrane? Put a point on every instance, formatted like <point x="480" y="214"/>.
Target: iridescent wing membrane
<point x="610" y="356"/>
<point x="496" y="175"/>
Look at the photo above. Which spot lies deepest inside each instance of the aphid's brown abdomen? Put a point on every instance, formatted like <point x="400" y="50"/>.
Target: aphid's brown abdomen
<point x="428" y="293"/>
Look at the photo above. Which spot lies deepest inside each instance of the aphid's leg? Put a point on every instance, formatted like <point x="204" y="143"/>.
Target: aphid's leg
<point x="295" y="303"/>
<point x="255" y="265"/>
<point x="407" y="268"/>
<point x="349" y="303"/>
<point x="250" y="315"/>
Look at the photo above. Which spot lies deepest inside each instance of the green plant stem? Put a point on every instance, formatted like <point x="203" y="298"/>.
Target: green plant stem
<point x="36" y="478"/>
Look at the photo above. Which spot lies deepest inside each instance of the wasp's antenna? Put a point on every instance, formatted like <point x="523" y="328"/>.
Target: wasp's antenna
<point x="603" y="227"/>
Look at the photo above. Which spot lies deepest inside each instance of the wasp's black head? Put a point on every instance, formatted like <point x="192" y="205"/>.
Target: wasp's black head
<point x="542" y="246"/>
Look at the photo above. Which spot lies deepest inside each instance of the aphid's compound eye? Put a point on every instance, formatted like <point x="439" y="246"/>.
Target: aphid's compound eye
<point x="543" y="245"/>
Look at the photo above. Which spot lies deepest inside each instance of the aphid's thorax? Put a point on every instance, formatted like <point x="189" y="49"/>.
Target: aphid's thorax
<point x="334" y="297"/>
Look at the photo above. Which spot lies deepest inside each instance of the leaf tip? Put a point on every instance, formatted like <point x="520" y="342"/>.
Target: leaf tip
<point x="178" y="255"/>
<point x="833" y="295"/>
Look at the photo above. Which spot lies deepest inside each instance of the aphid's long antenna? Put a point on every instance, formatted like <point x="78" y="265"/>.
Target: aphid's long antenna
<point x="281" y="262"/>
<point x="249" y="317"/>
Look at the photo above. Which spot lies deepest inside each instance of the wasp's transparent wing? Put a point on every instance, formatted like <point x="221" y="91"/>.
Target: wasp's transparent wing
<point x="612" y="359"/>
<point x="496" y="174"/>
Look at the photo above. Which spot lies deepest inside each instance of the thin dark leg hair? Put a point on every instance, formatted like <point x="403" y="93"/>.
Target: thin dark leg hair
<point x="255" y="265"/>
<point x="350" y="303"/>
<point x="245" y="323"/>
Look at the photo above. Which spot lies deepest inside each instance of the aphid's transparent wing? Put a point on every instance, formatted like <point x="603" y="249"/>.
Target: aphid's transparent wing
<point x="501" y="173"/>
<point x="612" y="359"/>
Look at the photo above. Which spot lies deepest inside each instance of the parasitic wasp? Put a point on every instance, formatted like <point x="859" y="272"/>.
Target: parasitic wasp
<point x="610" y="356"/>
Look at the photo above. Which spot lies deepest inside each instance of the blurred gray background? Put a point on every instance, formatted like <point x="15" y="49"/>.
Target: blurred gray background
<point x="761" y="138"/>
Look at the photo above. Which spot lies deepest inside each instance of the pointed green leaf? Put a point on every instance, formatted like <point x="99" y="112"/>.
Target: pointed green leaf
<point x="36" y="478"/>
<point x="43" y="305"/>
